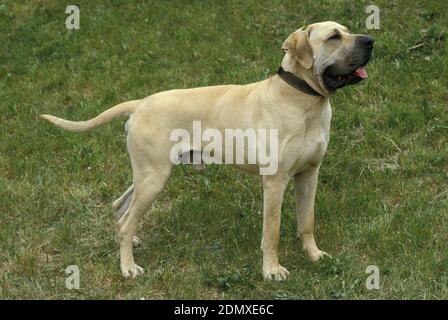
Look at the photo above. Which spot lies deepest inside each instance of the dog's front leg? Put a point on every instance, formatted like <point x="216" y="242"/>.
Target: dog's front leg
<point x="305" y="184"/>
<point x="273" y="190"/>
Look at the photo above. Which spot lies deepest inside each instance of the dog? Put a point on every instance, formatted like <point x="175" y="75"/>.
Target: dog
<point x="318" y="59"/>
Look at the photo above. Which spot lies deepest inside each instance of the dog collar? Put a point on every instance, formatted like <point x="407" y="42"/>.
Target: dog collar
<point x="296" y="82"/>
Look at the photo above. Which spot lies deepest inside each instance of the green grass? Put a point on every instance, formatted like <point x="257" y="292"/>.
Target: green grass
<point x="382" y="196"/>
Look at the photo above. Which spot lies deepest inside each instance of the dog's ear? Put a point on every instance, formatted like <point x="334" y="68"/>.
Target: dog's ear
<point x="297" y="45"/>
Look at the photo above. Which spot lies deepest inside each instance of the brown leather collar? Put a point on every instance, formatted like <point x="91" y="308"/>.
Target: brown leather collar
<point x="296" y="82"/>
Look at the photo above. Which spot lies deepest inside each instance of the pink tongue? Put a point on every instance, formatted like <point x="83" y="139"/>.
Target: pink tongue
<point x="361" y="72"/>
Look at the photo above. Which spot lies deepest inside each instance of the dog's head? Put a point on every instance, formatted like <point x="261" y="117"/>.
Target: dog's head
<point x="328" y="55"/>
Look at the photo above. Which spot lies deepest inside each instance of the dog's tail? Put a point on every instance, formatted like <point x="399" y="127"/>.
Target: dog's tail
<point x="105" y="117"/>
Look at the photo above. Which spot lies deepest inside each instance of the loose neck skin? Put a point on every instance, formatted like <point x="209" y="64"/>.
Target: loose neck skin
<point x="292" y="65"/>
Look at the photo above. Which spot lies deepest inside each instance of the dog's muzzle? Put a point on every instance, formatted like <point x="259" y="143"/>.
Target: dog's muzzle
<point x="344" y="73"/>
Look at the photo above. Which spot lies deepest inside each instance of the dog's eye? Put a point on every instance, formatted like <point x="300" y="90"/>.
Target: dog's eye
<point x="335" y="37"/>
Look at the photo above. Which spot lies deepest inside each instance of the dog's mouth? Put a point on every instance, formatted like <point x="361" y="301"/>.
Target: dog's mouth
<point x="335" y="80"/>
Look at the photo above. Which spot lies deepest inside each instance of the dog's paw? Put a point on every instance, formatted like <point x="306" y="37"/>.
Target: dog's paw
<point x="316" y="255"/>
<point x="277" y="273"/>
<point x="136" y="242"/>
<point x="131" y="271"/>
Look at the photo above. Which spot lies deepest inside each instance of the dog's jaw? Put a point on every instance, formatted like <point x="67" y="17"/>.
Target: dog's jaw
<point x="335" y="81"/>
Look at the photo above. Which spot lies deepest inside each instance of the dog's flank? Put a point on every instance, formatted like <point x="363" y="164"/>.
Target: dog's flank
<point x="124" y="108"/>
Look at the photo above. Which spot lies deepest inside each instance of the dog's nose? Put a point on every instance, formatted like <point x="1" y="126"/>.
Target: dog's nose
<point x="366" y="41"/>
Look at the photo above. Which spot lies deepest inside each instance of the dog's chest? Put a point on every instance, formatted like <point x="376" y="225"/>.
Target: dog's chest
<point x="314" y="149"/>
<point x="308" y="148"/>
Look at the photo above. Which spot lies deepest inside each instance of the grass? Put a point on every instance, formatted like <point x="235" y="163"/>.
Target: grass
<point x="382" y="196"/>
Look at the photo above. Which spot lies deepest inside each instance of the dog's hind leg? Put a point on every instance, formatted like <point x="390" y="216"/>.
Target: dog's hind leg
<point x="147" y="185"/>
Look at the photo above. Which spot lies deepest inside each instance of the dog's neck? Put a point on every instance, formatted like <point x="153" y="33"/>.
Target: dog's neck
<point x="290" y="64"/>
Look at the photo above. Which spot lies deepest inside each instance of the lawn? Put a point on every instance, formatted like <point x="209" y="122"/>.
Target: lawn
<point x="383" y="190"/>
